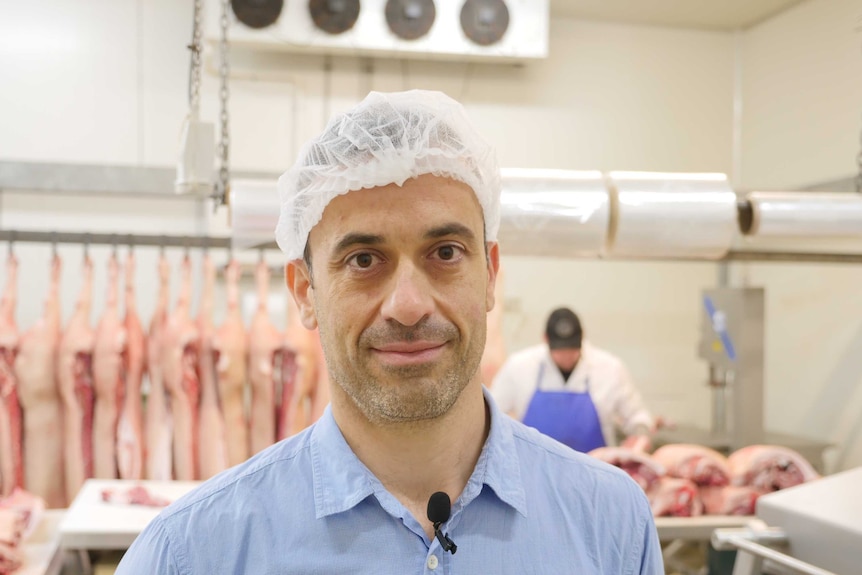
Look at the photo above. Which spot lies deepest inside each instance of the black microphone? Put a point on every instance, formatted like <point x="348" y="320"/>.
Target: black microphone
<point x="439" y="508"/>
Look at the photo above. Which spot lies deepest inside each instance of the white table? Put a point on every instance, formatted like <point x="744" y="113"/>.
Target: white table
<point x="90" y="523"/>
<point x="679" y="534"/>
<point x="697" y="528"/>
<point x="42" y="548"/>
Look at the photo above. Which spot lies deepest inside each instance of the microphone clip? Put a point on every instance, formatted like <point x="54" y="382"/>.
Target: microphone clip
<point x="446" y="543"/>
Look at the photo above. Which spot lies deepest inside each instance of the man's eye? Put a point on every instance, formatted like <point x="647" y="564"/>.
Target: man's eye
<point x="447" y="253"/>
<point x="363" y="260"/>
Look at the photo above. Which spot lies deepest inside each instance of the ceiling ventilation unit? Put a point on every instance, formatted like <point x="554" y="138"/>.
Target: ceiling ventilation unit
<point x="410" y="19"/>
<point x="463" y="30"/>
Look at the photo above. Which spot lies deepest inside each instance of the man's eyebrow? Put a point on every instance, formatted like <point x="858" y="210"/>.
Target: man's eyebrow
<point x="451" y="229"/>
<point x="356" y="238"/>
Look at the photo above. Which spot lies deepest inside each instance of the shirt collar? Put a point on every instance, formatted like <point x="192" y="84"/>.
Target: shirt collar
<point x="341" y="481"/>
<point x="499" y="466"/>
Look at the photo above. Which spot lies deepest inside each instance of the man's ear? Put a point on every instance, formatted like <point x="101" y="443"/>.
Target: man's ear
<point x="493" y="268"/>
<point x="298" y="279"/>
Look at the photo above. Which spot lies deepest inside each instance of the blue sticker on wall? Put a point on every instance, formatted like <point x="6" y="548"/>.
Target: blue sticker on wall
<point x="719" y="325"/>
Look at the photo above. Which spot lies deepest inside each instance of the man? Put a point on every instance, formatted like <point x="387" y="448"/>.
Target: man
<point x="388" y="221"/>
<point x="572" y="391"/>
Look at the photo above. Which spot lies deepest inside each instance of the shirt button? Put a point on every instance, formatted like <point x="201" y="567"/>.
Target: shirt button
<point x="432" y="562"/>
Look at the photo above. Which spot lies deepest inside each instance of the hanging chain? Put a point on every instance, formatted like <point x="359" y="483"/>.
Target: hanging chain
<point x="195" y="70"/>
<point x="224" y="143"/>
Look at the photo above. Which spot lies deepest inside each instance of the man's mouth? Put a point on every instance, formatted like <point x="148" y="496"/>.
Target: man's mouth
<point x="409" y="352"/>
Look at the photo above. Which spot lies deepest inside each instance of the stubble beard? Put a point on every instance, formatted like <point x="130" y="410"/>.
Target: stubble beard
<point x="406" y="394"/>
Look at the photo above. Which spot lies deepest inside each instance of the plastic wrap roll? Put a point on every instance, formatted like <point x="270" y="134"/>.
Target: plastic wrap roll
<point x="660" y="215"/>
<point x="802" y="215"/>
<point x="253" y="212"/>
<point x="553" y="213"/>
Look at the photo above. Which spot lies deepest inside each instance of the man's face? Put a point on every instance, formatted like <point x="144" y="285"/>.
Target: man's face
<point x="566" y="358"/>
<point x="400" y="291"/>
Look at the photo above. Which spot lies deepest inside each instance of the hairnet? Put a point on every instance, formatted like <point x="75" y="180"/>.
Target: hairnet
<point x="387" y="138"/>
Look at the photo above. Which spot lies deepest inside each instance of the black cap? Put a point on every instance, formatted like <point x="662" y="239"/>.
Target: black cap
<point x="564" y="329"/>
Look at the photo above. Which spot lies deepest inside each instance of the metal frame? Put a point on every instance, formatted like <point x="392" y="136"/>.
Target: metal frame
<point x="83" y="238"/>
<point x="753" y="554"/>
<point x="90" y="179"/>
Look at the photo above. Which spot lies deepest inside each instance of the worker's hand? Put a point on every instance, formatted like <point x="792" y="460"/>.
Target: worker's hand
<point x="638" y="443"/>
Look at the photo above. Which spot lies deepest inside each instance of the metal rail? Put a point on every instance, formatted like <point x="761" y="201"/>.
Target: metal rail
<point x="84" y="238"/>
<point x="752" y="554"/>
<point x="795" y="257"/>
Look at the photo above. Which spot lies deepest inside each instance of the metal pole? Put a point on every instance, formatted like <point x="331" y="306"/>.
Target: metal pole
<point x="87" y="238"/>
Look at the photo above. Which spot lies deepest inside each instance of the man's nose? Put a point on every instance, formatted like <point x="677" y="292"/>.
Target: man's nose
<point x="409" y="299"/>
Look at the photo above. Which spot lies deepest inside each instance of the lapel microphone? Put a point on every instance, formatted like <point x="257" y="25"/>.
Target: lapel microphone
<point x="439" y="508"/>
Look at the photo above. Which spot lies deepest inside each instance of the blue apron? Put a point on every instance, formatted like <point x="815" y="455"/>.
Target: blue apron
<point x="570" y="418"/>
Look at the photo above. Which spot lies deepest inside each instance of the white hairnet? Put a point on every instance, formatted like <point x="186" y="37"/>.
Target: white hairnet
<point x="387" y="138"/>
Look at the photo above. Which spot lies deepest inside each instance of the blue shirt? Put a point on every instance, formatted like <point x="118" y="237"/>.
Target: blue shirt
<point x="308" y="505"/>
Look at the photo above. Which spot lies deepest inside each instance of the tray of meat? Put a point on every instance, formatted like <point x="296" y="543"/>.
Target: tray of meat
<point x="675" y="497"/>
<point x="699" y="464"/>
<point x="769" y="468"/>
<point x="29" y="535"/>
<point x="729" y="499"/>
<point x="110" y="513"/>
<point x="645" y="470"/>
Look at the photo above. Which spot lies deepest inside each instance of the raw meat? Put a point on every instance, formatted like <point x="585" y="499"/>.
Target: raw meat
<point x="180" y="365"/>
<point x="41" y="405"/>
<point x="231" y="345"/>
<point x="212" y="448"/>
<point x="700" y="464"/>
<point x="264" y="351"/>
<point x="11" y="559"/>
<point x="75" y="378"/>
<point x="641" y="467"/>
<point x="769" y="467"/>
<point x="137" y="495"/>
<point x="130" y="429"/>
<point x="675" y="497"/>
<point x="158" y="422"/>
<point x="11" y="527"/>
<point x="108" y="379"/>
<point x="30" y="507"/>
<point x="11" y="458"/>
<point x="729" y="500"/>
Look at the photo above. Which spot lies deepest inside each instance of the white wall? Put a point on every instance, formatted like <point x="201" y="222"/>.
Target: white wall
<point x="802" y="89"/>
<point x="801" y="120"/>
<point x="105" y="82"/>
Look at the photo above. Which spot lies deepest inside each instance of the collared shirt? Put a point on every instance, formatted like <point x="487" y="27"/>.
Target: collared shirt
<point x="617" y="400"/>
<point x="308" y="505"/>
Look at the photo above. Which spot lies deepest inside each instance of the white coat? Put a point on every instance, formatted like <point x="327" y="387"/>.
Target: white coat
<point x="618" y="402"/>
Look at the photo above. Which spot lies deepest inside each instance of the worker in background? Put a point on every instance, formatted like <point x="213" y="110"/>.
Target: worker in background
<point x="573" y="391"/>
<point x="389" y="222"/>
